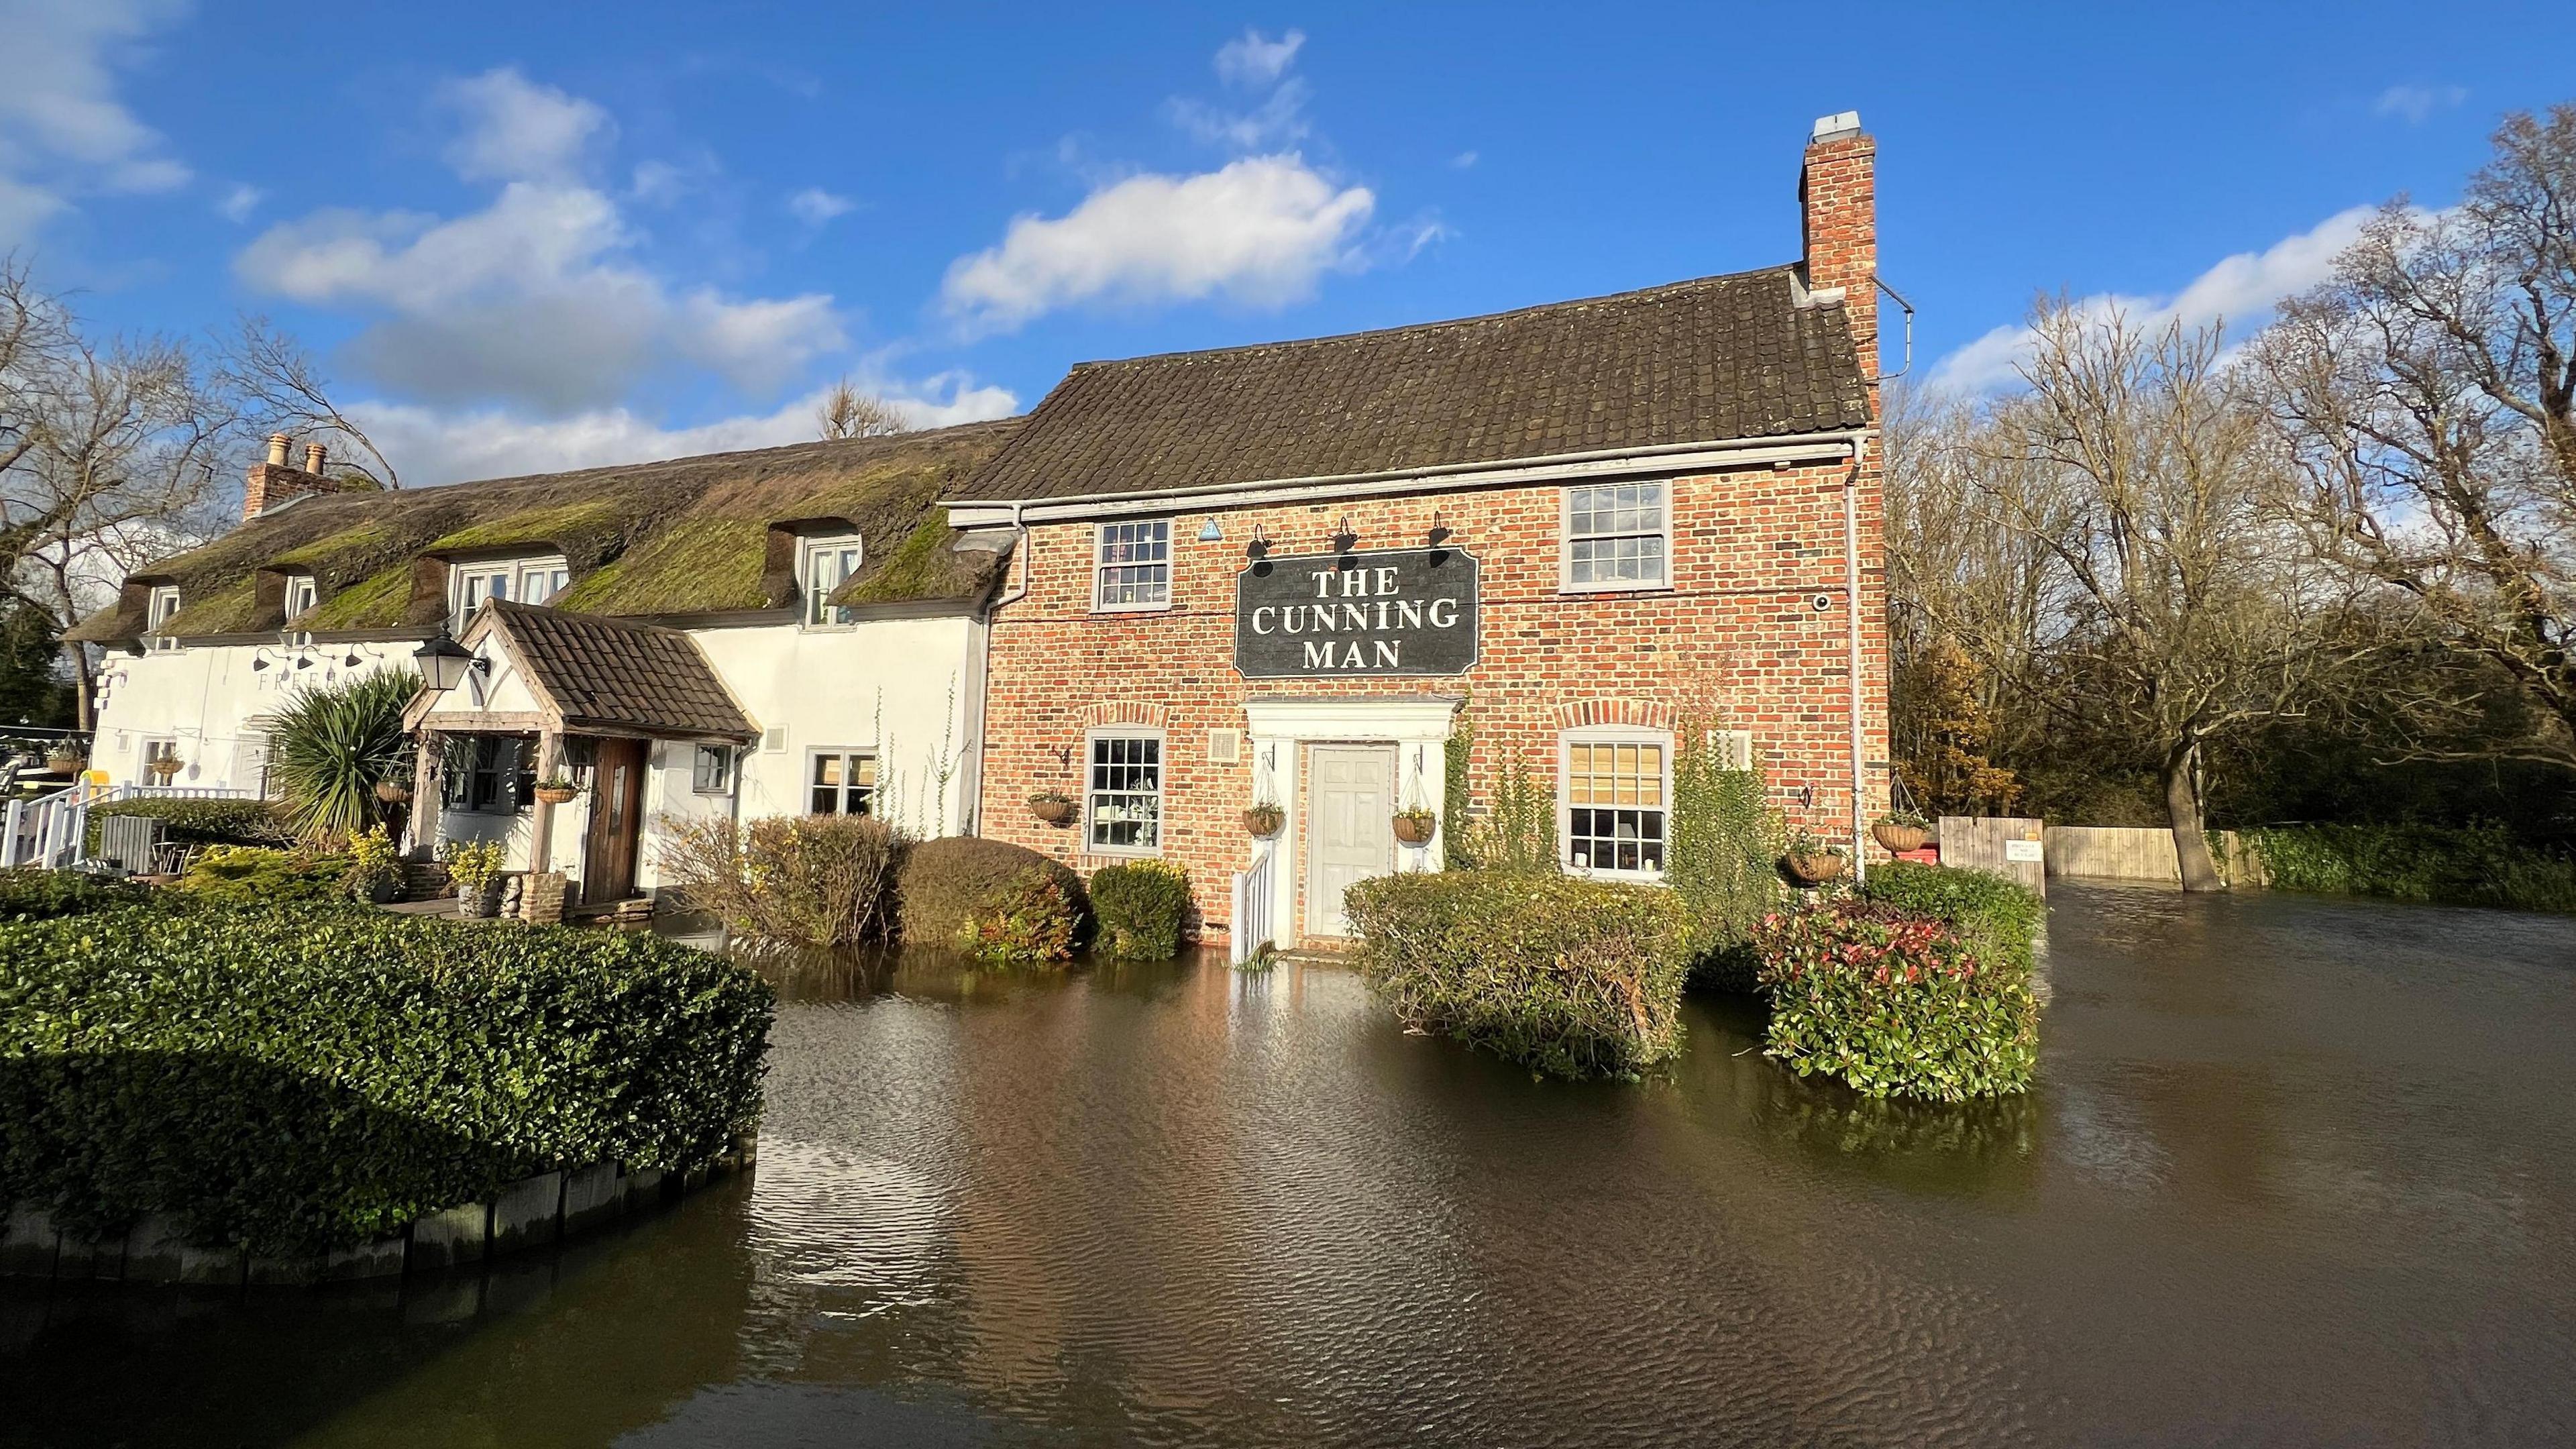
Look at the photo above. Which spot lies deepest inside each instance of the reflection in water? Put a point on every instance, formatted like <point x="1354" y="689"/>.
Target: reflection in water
<point x="2298" y="1170"/>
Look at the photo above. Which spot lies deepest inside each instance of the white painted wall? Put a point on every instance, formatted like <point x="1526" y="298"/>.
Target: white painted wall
<point x="205" y="698"/>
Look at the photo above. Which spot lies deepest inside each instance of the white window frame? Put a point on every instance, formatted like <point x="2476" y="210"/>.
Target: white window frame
<point x="840" y="555"/>
<point x="1100" y="567"/>
<point x="1566" y="540"/>
<point x="518" y="574"/>
<point x="1162" y="792"/>
<point x="159" y="605"/>
<point x="846" y="754"/>
<point x="1565" y="806"/>
<point x="303" y="592"/>
<point x="722" y="757"/>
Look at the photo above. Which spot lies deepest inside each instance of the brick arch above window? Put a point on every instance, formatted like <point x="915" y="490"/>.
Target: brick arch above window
<point x="1633" y="713"/>
<point x="1124" y="712"/>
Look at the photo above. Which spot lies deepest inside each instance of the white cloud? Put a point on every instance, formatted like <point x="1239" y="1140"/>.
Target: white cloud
<point x="1259" y="232"/>
<point x="1257" y="60"/>
<point x="536" y="299"/>
<point x="1463" y="160"/>
<point x="64" y="132"/>
<point x="517" y="130"/>
<point x="240" y="202"/>
<point x="814" y="206"/>
<point x="434" y="446"/>
<point x="1254" y="64"/>
<point x="2239" y="290"/>
<point x="2416" y="104"/>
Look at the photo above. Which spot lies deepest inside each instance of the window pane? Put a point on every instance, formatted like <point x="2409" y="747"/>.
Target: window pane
<point x="1614" y="795"/>
<point x="1126" y="803"/>
<point x="1135" y="563"/>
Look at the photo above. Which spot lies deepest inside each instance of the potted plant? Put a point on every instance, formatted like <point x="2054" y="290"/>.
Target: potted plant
<point x="390" y="791"/>
<point x="375" y="873"/>
<point x="475" y="866"/>
<point x="1052" y="806"/>
<point x="557" y="790"/>
<point x="1901" y="831"/>
<point x="65" y="758"/>
<point x="1264" y="820"/>
<point x="163" y="767"/>
<point x="1415" y="826"/>
<point x="1813" y="862"/>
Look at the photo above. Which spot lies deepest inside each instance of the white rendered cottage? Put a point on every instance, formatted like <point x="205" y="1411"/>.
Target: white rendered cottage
<point x="777" y="632"/>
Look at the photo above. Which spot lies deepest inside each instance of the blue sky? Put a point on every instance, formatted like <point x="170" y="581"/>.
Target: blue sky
<point x="533" y="236"/>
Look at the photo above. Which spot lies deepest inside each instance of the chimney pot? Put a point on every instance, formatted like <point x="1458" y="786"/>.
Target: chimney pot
<point x="277" y="449"/>
<point x="314" y="453"/>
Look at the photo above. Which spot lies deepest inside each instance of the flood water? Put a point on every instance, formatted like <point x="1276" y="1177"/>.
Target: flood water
<point x="2299" y="1171"/>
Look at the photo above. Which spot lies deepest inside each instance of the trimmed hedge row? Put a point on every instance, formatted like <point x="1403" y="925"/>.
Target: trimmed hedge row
<point x="297" y="1078"/>
<point x="1996" y="919"/>
<point x="1571" y="977"/>
<point x="1000" y="901"/>
<point x="203" y="822"/>
<point x="30" y="894"/>
<point x="2479" y="866"/>
<point x="1895" y="1003"/>
<point x="1141" y="908"/>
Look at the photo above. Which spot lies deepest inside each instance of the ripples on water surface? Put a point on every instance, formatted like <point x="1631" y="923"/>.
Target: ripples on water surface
<point x="2299" y="1171"/>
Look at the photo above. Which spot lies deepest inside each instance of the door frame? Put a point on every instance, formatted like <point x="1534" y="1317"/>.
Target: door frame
<point x="1276" y="731"/>
<point x="1305" y="858"/>
<point x="598" y="832"/>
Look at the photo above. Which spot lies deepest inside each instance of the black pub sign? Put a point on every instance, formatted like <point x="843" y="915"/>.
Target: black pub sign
<point x="1398" y="611"/>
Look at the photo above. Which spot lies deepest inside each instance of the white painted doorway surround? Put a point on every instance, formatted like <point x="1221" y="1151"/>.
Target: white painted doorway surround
<point x="1278" y="730"/>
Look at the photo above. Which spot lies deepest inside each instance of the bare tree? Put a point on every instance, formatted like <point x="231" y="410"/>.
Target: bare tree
<point x="2168" y="597"/>
<point x="280" y="390"/>
<point x="847" y="412"/>
<point x="107" y="455"/>
<point x="2427" y="393"/>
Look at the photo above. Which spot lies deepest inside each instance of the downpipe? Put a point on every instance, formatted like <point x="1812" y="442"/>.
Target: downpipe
<point x="1851" y="620"/>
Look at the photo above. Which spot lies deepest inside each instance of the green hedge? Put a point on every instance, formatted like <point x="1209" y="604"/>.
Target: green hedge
<point x="1141" y="909"/>
<point x="29" y="894"/>
<point x="1997" y="919"/>
<point x="946" y="889"/>
<point x="2480" y="866"/>
<point x="1575" y="978"/>
<point x="293" y="1078"/>
<point x="1894" y="1003"/>
<point x="203" y="822"/>
<point x="256" y="875"/>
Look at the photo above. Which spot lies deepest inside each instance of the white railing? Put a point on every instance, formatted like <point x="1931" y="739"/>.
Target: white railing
<point x="1253" y="893"/>
<point x="51" y="832"/>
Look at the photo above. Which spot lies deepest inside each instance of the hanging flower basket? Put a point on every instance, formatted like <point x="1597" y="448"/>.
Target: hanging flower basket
<point x="1051" y="808"/>
<point x="392" y="792"/>
<point x="557" y="794"/>
<point x="1815" y="867"/>
<point x="1263" y="821"/>
<point x="64" y="762"/>
<point x="1416" y="827"/>
<point x="162" y="768"/>
<point x="1900" y="838"/>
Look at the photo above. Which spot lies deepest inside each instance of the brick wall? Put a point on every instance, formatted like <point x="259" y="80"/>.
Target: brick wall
<point x="1737" y="633"/>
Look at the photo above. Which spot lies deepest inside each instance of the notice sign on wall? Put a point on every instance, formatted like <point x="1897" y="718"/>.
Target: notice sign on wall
<point x="1401" y="611"/>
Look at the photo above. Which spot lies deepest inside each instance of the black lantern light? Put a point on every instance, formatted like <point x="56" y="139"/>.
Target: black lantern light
<point x="1259" y="547"/>
<point x="443" y="662"/>
<point x="1439" y="533"/>
<point x="1345" y="537"/>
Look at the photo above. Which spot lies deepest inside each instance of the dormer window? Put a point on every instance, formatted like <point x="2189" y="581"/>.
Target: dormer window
<point x="823" y="564"/>
<point x="163" y="602"/>
<point x="302" y="592"/>
<point x="528" y="580"/>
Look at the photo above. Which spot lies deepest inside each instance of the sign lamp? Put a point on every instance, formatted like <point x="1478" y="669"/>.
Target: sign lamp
<point x="443" y="662"/>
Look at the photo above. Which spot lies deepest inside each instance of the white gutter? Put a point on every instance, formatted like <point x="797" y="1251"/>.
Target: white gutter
<point x="1851" y="618"/>
<point x="1663" y="457"/>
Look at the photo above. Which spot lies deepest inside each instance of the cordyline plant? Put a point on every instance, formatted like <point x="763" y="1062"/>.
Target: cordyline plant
<point x="334" y="743"/>
<point x="1894" y="1004"/>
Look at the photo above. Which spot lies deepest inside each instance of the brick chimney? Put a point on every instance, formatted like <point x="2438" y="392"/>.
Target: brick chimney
<point x="271" y="483"/>
<point x="1838" y="199"/>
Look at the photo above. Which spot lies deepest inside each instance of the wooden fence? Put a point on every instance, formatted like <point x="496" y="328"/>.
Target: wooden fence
<point x="2009" y="845"/>
<point x="2117" y="852"/>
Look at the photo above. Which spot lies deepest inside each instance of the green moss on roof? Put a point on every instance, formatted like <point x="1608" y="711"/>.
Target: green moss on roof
<point x="230" y="610"/>
<point x="924" y="566"/>
<point x="376" y="603"/>
<point x="364" y="539"/>
<point x="534" y="525"/>
<point x="697" y="564"/>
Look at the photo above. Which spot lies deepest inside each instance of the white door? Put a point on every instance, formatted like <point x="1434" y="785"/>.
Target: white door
<point x="1350" y="829"/>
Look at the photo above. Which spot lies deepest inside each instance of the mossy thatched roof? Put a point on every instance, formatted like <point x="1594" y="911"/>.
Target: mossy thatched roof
<point x="680" y="537"/>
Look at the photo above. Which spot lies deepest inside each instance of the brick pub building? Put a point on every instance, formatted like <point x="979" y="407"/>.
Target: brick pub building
<point x="1285" y="574"/>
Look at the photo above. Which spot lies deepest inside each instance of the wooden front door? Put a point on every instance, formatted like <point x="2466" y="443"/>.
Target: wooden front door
<point x="1350" y="828"/>
<point x="617" y="798"/>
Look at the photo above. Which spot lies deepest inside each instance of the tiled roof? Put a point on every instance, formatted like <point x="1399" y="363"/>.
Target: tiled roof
<point x="617" y="674"/>
<point x="1712" y="360"/>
